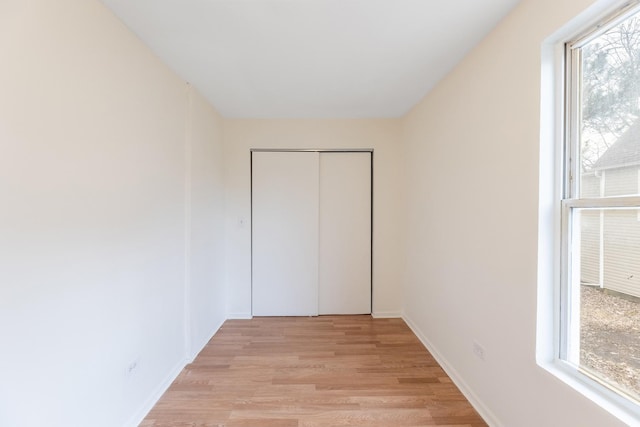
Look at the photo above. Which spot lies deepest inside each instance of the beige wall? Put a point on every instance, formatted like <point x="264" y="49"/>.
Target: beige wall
<point x="471" y="156"/>
<point x="381" y="135"/>
<point x="97" y="252"/>
<point x="205" y="279"/>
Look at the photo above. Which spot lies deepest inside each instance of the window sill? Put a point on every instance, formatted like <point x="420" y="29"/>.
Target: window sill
<point x="624" y="409"/>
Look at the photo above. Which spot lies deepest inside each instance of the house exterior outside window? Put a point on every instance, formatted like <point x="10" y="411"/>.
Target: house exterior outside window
<point x="610" y="240"/>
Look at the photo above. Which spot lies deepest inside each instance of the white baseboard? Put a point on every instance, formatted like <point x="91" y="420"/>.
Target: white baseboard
<point x="137" y="418"/>
<point x="475" y="401"/>
<point x="239" y="316"/>
<point x="386" y="315"/>
<point x="141" y="413"/>
<point x="192" y="357"/>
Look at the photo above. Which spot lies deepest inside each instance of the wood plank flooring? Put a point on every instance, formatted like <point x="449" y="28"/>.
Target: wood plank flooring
<point x="312" y="372"/>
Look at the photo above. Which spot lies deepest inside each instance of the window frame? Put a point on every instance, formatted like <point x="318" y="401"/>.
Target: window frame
<point x="559" y="198"/>
<point x="571" y="198"/>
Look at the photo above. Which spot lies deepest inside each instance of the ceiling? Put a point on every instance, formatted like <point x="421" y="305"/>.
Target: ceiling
<point x="311" y="58"/>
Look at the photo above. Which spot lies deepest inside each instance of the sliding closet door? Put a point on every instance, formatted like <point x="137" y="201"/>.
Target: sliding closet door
<point x="285" y="208"/>
<point x="345" y="233"/>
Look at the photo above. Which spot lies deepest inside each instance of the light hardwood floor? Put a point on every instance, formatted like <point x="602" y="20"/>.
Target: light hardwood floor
<point x="313" y="371"/>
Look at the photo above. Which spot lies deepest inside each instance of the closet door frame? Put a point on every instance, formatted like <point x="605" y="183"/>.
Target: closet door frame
<point x="311" y="150"/>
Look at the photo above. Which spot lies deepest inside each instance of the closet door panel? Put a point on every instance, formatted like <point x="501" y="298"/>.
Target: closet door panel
<point x="345" y="233"/>
<point x="285" y="209"/>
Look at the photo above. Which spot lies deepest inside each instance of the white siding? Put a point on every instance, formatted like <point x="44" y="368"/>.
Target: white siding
<point x="622" y="251"/>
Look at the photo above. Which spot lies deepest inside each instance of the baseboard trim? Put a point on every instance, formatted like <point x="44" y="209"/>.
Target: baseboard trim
<point x="191" y="357"/>
<point x="137" y="418"/>
<point x="386" y="315"/>
<point x="473" y="398"/>
<point x="239" y="316"/>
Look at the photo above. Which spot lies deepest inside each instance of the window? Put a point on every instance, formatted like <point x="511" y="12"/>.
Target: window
<point x="600" y="233"/>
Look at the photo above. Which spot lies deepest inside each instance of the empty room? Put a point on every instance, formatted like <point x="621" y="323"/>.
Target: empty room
<point x="319" y="213"/>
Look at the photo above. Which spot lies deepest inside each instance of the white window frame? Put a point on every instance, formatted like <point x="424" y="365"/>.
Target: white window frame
<point x="559" y="197"/>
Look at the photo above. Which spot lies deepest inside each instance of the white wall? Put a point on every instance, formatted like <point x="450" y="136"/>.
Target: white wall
<point x="93" y="223"/>
<point x="381" y="135"/>
<point x="205" y="223"/>
<point x="472" y="156"/>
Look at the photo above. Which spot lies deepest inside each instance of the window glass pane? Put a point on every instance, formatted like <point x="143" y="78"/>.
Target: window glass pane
<point x="610" y="109"/>
<point x="604" y="330"/>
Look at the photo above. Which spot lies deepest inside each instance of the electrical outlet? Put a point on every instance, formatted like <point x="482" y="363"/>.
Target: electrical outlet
<point x="478" y="350"/>
<point x="132" y="368"/>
